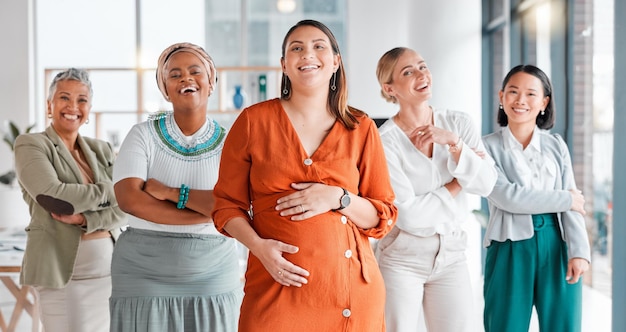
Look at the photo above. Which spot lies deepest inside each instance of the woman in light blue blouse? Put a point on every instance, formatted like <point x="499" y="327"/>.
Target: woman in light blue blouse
<point x="537" y="245"/>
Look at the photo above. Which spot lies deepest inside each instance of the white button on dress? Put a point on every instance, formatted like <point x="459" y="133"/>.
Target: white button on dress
<point x="346" y="313"/>
<point x="308" y="161"/>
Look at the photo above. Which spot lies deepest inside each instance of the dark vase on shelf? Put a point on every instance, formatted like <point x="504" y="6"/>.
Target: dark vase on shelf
<point x="238" y="97"/>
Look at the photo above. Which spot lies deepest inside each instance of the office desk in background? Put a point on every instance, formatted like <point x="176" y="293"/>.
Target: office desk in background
<point x="12" y="244"/>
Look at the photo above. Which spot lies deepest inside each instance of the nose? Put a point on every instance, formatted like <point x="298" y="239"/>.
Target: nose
<point x="186" y="77"/>
<point x="73" y="105"/>
<point x="307" y="54"/>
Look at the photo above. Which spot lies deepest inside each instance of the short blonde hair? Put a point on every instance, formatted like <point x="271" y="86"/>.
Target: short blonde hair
<point x="384" y="70"/>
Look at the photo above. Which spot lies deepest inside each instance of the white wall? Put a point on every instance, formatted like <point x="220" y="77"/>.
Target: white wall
<point x="374" y="27"/>
<point x="17" y="78"/>
<point x="447" y="34"/>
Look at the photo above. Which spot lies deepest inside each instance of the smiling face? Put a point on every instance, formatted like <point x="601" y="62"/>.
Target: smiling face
<point x="309" y="60"/>
<point x="187" y="81"/>
<point x="522" y="99"/>
<point x="69" y="106"/>
<point x="411" y="79"/>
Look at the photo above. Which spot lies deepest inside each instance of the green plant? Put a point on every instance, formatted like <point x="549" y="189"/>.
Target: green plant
<point x="9" y="137"/>
<point x="13" y="131"/>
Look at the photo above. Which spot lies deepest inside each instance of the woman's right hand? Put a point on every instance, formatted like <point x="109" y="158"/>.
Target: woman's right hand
<point x="578" y="201"/>
<point x="270" y="253"/>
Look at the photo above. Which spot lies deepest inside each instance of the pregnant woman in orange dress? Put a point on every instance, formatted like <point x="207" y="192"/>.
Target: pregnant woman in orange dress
<point x="303" y="183"/>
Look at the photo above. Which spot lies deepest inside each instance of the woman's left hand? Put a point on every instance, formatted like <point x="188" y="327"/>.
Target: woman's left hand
<point x="575" y="269"/>
<point x="70" y="219"/>
<point x="310" y="200"/>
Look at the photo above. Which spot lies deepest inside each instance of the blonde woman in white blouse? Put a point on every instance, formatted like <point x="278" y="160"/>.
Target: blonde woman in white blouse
<point x="435" y="159"/>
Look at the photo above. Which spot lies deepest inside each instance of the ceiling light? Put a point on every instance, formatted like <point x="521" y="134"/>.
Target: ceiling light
<point x="286" y="6"/>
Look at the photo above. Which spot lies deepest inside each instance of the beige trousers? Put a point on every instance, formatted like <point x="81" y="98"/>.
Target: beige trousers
<point x="83" y="305"/>
<point x="429" y="274"/>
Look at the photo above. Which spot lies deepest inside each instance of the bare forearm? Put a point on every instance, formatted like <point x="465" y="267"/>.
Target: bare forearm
<point x="240" y="229"/>
<point x="133" y="200"/>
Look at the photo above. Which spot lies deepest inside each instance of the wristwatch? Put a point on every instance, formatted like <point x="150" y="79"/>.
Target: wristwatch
<point x="344" y="201"/>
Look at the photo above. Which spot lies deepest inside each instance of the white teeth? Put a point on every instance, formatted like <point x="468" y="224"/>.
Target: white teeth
<point x="308" y="67"/>
<point x="188" y="89"/>
<point x="71" y="116"/>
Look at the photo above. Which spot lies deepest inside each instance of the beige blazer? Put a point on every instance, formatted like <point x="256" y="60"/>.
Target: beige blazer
<point x="51" y="182"/>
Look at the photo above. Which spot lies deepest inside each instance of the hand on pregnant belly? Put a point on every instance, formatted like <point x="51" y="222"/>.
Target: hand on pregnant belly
<point x="270" y="253"/>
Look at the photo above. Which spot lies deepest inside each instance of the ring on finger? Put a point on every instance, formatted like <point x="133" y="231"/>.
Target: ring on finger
<point x="280" y="272"/>
<point x="301" y="209"/>
<point x="421" y="133"/>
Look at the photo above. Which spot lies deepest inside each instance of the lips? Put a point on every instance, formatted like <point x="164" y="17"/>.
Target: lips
<point x="423" y="87"/>
<point x="308" y="67"/>
<point x="188" y="89"/>
<point x="70" y="116"/>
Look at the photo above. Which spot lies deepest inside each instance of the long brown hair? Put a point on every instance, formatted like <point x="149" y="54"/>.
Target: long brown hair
<point x="338" y="97"/>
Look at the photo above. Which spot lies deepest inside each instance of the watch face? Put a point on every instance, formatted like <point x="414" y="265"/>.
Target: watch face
<point x="345" y="200"/>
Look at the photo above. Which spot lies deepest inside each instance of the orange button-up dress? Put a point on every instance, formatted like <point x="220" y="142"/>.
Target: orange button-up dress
<point x="262" y="156"/>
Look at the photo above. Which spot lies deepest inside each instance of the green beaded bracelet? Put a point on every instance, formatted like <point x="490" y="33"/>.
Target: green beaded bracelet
<point x="183" y="197"/>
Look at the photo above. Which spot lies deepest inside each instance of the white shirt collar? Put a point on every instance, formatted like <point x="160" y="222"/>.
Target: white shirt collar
<point x="510" y="142"/>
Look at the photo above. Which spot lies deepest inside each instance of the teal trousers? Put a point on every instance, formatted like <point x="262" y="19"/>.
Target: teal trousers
<point x="527" y="273"/>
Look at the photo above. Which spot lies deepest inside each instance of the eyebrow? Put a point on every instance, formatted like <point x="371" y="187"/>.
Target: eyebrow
<point x="69" y="94"/>
<point x="314" y="40"/>
<point x="189" y="67"/>
<point x="516" y="87"/>
<point x="409" y="66"/>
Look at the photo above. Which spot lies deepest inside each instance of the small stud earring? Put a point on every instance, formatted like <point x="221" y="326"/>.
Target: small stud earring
<point x="501" y="107"/>
<point x="543" y="112"/>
